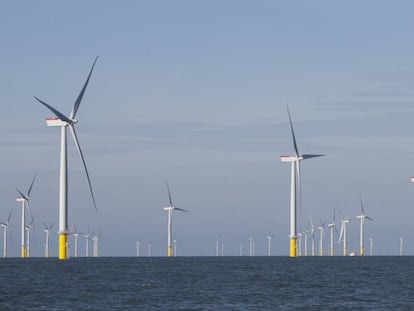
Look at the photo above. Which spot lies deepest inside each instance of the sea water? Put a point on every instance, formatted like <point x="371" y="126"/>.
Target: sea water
<point x="208" y="283"/>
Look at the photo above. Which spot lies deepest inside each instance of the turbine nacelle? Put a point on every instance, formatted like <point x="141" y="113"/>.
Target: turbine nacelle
<point x="20" y="199"/>
<point x="55" y="121"/>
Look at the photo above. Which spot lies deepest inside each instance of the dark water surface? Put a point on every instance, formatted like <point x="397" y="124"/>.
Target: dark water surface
<point x="208" y="283"/>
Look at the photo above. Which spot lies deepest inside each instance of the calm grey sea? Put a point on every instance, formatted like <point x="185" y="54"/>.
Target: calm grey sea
<point x="208" y="283"/>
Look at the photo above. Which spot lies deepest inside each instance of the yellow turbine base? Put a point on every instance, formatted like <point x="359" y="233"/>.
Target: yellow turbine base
<point x="169" y="251"/>
<point x="345" y="251"/>
<point x="332" y="251"/>
<point x="62" y="246"/>
<point x="4" y="254"/>
<point x="292" y="252"/>
<point x="23" y="253"/>
<point x="361" y="251"/>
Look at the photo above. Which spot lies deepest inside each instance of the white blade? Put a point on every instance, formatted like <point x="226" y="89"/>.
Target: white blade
<point x="295" y="146"/>
<point x="79" y="99"/>
<point x="55" y="111"/>
<point x="31" y="185"/>
<point x="309" y="156"/>
<point x="169" y="194"/>
<point x="75" y="138"/>
<point x="180" y="209"/>
<point x="340" y="234"/>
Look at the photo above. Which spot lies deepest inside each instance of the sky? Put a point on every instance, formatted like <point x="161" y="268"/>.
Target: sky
<point x="195" y="92"/>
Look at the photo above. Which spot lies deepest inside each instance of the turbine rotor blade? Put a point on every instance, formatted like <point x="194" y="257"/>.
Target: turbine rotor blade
<point x="55" y="111"/>
<point x="169" y="194"/>
<point x="293" y="133"/>
<point x="180" y="209"/>
<point x="10" y="214"/>
<point x="362" y="204"/>
<point x="309" y="156"/>
<point x="75" y="138"/>
<point x="31" y="185"/>
<point x="80" y="96"/>
<point x="369" y="218"/>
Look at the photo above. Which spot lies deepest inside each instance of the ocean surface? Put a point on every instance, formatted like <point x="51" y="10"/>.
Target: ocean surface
<point x="208" y="283"/>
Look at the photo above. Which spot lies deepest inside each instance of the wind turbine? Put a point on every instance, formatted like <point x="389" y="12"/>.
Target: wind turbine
<point x="269" y="242"/>
<point x="170" y="209"/>
<point x="362" y="218"/>
<point x="250" y="246"/>
<point x="312" y="236"/>
<point x="28" y="229"/>
<point x="65" y="122"/>
<point x="25" y="202"/>
<point x="401" y="245"/>
<point x="343" y="234"/>
<point x="47" y="231"/>
<point x="87" y="237"/>
<point x="331" y="227"/>
<point x="75" y="234"/>
<point x="217" y="245"/>
<point x="175" y="247"/>
<point x="138" y="242"/>
<point x="295" y="177"/>
<point x="371" y="246"/>
<point x="321" y="229"/>
<point x="95" y="240"/>
<point x="5" y="226"/>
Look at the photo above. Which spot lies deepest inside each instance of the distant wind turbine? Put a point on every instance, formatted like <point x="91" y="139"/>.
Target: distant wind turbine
<point x="401" y="245"/>
<point x="64" y="122"/>
<point x="47" y="231"/>
<point x="25" y="203"/>
<point x="331" y="227"/>
<point x="28" y="229"/>
<point x="371" y="246"/>
<point x="362" y="218"/>
<point x="170" y="209"/>
<point x="343" y="235"/>
<point x="75" y="234"/>
<point x="138" y="242"/>
<point x="5" y="226"/>
<point x="87" y="237"/>
<point x="295" y="177"/>
<point x="321" y="229"/>
<point x="269" y="243"/>
<point x="312" y="236"/>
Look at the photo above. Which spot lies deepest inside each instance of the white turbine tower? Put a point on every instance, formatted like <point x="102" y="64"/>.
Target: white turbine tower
<point x="295" y="177"/>
<point x="401" y="245"/>
<point x="343" y="235"/>
<point x="362" y="218"/>
<point x="170" y="209"/>
<point x="321" y="229"/>
<point x="25" y="203"/>
<point x="5" y="226"/>
<point x="65" y="122"/>
<point x="47" y="231"/>
<point x="331" y="227"/>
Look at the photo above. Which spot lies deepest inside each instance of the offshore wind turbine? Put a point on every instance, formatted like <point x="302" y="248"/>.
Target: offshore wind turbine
<point x="371" y="246"/>
<point x="321" y="228"/>
<point x="312" y="236"/>
<point x="269" y="243"/>
<point x="28" y="230"/>
<point x="75" y="234"/>
<point x="295" y="177"/>
<point x="362" y="218"/>
<point x="343" y="235"/>
<point x="25" y="203"/>
<point x="331" y="227"/>
<point x="65" y="122"/>
<point x="170" y="209"/>
<point x="5" y="226"/>
<point x="138" y="242"/>
<point x="47" y="231"/>
<point x="87" y="237"/>
<point x="401" y="245"/>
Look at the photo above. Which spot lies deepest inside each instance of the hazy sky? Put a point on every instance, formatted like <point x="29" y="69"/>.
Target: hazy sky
<point x="195" y="92"/>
